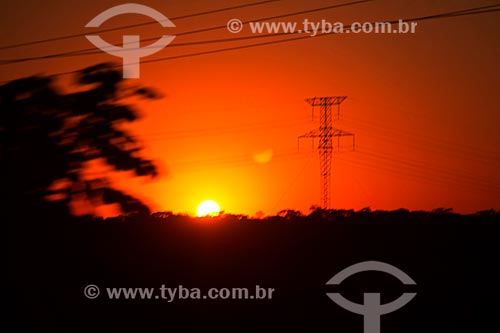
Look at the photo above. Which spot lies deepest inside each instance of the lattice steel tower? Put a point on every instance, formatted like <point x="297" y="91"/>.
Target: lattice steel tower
<point x="325" y="134"/>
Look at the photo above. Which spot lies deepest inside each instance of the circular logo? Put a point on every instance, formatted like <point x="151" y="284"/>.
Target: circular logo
<point x="91" y="291"/>
<point x="234" y="26"/>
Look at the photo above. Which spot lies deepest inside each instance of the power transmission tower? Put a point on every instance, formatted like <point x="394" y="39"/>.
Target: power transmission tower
<point x="325" y="134"/>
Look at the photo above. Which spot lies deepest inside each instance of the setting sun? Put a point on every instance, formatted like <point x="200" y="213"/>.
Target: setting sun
<point x="208" y="208"/>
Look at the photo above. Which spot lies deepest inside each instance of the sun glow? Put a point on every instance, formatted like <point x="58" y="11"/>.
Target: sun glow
<point x="208" y="208"/>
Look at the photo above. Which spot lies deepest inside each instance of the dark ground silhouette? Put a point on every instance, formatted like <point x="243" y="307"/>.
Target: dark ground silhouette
<point x="453" y="259"/>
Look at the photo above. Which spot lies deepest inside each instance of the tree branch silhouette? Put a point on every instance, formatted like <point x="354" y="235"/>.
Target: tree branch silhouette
<point x="48" y="136"/>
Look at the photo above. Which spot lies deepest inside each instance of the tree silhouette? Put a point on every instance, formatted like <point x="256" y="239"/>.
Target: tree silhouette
<point x="289" y="214"/>
<point x="48" y="137"/>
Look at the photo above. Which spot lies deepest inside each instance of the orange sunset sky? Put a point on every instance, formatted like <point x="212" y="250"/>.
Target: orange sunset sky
<point x="424" y="106"/>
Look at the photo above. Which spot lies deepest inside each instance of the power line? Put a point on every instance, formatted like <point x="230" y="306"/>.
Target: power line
<point x="480" y="151"/>
<point x="91" y="51"/>
<point x="243" y="161"/>
<point x="162" y="136"/>
<point x="423" y="143"/>
<point x="53" y="39"/>
<point x="444" y="15"/>
<point x="87" y="52"/>
<point x="419" y="136"/>
<point x="403" y="168"/>
<point x="407" y="168"/>
<point x="458" y="175"/>
<point x="420" y="175"/>
<point x="467" y="12"/>
<point x="425" y="167"/>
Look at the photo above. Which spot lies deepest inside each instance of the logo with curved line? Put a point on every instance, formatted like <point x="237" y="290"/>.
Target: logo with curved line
<point x="131" y="52"/>
<point x="371" y="310"/>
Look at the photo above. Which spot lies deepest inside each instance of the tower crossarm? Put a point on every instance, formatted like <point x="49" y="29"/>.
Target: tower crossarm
<point x="310" y="134"/>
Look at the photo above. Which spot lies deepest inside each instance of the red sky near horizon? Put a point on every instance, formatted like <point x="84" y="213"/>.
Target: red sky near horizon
<point x="424" y="106"/>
